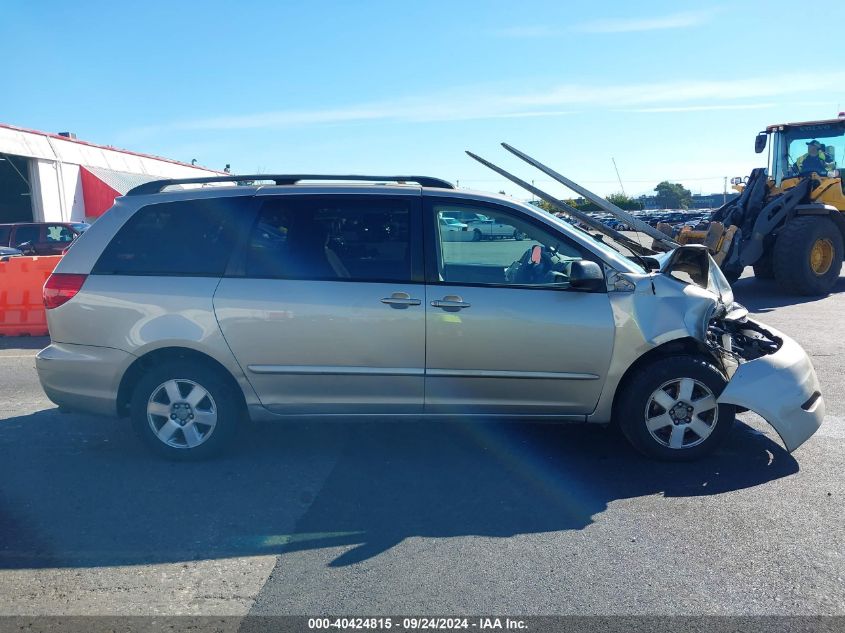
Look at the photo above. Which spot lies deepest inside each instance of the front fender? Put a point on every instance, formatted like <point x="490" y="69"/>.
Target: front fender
<point x="782" y="388"/>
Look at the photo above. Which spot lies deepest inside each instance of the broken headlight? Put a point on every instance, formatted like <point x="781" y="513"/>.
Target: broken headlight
<point x="743" y="340"/>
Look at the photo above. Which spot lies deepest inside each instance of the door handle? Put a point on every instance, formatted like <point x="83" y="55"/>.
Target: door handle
<point x="450" y="303"/>
<point x="400" y="300"/>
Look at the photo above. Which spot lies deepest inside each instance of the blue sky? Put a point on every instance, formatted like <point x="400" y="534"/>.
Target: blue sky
<point x="670" y="90"/>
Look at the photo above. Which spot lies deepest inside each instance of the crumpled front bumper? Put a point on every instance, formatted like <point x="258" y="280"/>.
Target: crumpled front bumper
<point x="782" y="388"/>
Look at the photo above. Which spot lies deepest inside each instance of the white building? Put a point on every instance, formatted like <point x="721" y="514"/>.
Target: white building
<point x="57" y="178"/>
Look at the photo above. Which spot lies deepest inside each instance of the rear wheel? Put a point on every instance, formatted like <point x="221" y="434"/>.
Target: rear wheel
<point x="808" y="256"/>
<point x="732" y="274"/>
<point x="476" y="235"/>
<point x="184" y="410"/>
<point x="669" y="410"/>
<point x="764" y="267"/>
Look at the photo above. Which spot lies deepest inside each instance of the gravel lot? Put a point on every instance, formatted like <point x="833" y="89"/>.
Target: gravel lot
<point x="427" y="518"/>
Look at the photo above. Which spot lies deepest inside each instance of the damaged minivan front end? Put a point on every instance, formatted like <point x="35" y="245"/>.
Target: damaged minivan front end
<point x="687" y="300"/>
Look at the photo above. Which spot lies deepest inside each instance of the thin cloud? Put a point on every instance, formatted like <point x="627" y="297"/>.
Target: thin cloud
<point x="630" y="25"/>
<point x="473" y="103"/>
<point x="703" y="108"/>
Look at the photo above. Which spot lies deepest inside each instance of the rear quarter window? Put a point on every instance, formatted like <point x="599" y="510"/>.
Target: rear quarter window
<point x="194" y="237"/>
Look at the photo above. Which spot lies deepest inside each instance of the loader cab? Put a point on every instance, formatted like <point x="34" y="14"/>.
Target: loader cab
<point x="799" y="149"/>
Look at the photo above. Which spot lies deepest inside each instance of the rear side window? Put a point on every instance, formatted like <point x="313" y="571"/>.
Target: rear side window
<point x="5" y="234"/>
<point x="59" y="233"/>
<point x="332" y="239"/>
<point x="27" y="233"/>
<point x="194" y="237"/>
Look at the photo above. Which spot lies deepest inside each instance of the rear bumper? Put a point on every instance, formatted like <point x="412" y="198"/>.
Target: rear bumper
<point x="82" y="377"/>
<point x="782" y="388"/>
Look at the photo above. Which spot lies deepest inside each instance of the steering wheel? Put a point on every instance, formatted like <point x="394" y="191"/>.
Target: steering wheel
<point x="532" y="267"/>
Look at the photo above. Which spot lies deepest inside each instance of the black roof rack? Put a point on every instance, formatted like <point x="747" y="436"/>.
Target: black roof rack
<point x="283" y="179"/>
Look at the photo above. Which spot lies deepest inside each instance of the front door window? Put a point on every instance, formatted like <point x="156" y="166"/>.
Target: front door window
<point x="491" y="246"/>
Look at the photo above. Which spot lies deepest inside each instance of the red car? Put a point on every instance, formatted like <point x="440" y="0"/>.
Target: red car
<point x="41" y="238"/>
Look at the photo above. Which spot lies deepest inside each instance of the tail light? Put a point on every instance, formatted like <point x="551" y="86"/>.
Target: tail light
<point x="61" y="288"/>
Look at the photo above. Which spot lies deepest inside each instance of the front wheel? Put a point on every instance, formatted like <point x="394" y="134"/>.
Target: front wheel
<point x="669" y="409"/>
<point x="185" y="410"/>
<point x="808" y="256"/>
<point x="476" y="235"/>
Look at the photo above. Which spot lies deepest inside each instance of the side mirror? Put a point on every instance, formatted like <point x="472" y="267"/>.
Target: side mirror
<point x="586" y="275"/>
<point x="760" y="142"/>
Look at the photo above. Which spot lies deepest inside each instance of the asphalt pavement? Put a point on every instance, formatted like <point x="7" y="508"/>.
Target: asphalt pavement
<point x="424" y="517"/>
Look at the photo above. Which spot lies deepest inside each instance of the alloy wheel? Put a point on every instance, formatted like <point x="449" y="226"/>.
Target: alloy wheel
<point x="181" y="413"/>
<point x="681" y="413"/>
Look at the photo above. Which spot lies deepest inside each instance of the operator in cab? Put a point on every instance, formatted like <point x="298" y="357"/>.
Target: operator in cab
<point x="813" y="161"/>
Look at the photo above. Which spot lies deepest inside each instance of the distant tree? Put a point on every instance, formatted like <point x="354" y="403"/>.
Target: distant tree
<point x="545" y="206"/>
<point x="625" y="202"/>
<point x="671" y="195"/>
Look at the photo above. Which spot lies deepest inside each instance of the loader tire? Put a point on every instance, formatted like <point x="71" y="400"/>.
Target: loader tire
<point x="807" y="256"/>
<point x="764" y="267"/>
<point x="732" y="274"/>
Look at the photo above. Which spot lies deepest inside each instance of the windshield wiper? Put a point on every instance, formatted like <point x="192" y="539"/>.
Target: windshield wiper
<point x="636" y="256"/>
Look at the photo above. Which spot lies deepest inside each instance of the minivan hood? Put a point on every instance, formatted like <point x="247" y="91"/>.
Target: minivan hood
<point x="693" y="264"/>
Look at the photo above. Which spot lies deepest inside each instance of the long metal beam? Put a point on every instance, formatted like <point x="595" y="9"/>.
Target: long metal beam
<point x="632" y="245"/>
<point x="596" y="199"/>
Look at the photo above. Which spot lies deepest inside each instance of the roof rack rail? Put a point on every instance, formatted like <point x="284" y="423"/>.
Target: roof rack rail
<point x="156" y="186"/>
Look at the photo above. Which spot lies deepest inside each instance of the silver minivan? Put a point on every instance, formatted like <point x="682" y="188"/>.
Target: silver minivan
<point x="192" y="310"/>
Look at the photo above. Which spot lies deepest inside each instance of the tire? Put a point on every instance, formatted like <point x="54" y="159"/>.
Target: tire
<point x="764" y="267"/>
<point x="476" y="235"/>
<point x="732" y="275"/>
<point x="699" y="432"/>
<point x="518" y="236"/>
<point x="794" y="248"/>
<point x="213" y="418"/>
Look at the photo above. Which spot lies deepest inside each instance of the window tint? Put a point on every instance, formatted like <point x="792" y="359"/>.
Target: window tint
<point x="59" y="233"/>
<point x="5" y="234"/>
<point x="496" y="246"/>
<point x="332" y="238"/>
<point x="27" y="233"/>
<point x="179" y="238"/>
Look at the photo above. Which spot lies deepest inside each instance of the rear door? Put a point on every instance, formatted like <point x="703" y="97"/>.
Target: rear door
<point x="505" y="336"/>
<point x="325" y="311"/>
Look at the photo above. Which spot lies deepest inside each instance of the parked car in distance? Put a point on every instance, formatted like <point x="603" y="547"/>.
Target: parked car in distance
<point x="41" y="238"/>
<point x="334" y="300"/>
<point x="487" y="228"/>
<point x="451" y="224"/>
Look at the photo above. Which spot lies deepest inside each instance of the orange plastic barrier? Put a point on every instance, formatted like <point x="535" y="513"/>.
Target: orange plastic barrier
<point x="21" y="306"/>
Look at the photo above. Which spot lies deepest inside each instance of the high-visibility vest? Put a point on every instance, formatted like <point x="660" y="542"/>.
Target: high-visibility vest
<point x="800" y="162"/>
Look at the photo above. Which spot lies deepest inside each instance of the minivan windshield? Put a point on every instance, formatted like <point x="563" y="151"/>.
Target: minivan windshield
<point x="610" y="254"/>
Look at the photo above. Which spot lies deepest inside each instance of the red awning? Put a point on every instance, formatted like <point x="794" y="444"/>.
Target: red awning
<point x="101" y="186"/>
<point x="98" y="196"/>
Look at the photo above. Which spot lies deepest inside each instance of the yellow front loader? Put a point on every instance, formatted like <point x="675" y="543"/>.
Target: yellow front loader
<point x="788" y="222"/>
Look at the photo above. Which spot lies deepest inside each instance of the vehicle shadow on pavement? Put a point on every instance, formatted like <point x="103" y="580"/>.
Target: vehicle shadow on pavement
<point x="763" y="295"/>
<point x="24" y="342"/>
<point x="81" y="491"/>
